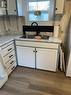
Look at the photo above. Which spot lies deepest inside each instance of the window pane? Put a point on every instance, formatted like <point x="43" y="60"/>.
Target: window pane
<point x="43" y="5"/>
<point x="40" y="5"/>
<point x="32" y="6"/>
<point x="45" y="10"/>
<point x="42" y="17"/>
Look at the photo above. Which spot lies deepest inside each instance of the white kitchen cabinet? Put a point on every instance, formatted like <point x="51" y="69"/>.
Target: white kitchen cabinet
<point x="3" y="73"/>
<point x="68" y="69"/>
<point x="8" y="56"/>
<point x="40" y="55"/>
<point x="46" y="59"/>
<point x="26" y="56"/>
<point x="11" y="7"/>
<point x="2" y="7"/>
<point x="59" y="6"/>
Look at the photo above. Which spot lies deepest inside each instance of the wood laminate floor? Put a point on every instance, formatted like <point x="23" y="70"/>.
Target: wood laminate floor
<point x="25" y="81"/>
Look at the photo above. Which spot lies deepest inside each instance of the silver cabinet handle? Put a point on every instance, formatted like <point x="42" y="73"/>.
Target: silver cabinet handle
<point x="34" y="51"/>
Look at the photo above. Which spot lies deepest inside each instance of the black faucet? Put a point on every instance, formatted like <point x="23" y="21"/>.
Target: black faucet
<point x="36" y="26"/>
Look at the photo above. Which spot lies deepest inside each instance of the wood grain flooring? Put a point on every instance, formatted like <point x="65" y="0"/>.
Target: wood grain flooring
<point x="26" y="81"/>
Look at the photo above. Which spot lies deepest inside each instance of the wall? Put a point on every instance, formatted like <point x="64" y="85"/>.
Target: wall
<point x="64" y="22"/>
<point x="70" y="35"/>
<point x="67" y="44"/>
<point x="2" y="28"/>
<point x="11" y="25"/>
<point x="66" y="30"/>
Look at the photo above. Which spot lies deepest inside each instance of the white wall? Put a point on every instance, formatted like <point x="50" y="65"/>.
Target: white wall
<point x="2" y="28"/>
<point x="66" y="28"/>
<point x="64" y="22"/>
<point x="11" y="25"/>
<point x="70" y="35"/>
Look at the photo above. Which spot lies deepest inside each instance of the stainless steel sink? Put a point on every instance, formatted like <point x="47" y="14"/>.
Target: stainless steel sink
<point x="28" y="36"/>
<point x="33" y="37"/>
<point x="45" y="37"/>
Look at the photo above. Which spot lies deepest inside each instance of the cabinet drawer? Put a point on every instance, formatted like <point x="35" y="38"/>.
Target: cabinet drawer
<point x="37" y="44"/>
<point x="11" y="68"/>
<point x="7" y="50"/>
<point x="7" y="44"/>
<point x="11" y="62"/>
<point x="9" y="56"/>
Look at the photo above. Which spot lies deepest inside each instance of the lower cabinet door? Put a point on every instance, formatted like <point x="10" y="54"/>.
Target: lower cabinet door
<point x="46" y="59"/>
<point x="68" y="67"/>
<point x="26" y="56"/>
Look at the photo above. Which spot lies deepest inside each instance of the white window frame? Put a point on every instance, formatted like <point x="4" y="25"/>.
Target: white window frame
<point x="51" y="10"/>
<point x="51" y="13"/>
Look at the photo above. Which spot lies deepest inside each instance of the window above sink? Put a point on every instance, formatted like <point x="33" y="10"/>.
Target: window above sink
<point x="40" y="10"/>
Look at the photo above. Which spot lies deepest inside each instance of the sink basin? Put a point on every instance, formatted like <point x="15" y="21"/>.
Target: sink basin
<point x="29" y="37"/>
<point x="45" y="37"/>
<point x="35" y="37"/>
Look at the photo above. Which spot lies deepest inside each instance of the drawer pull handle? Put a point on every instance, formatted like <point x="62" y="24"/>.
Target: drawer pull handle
<point x="13" y="68"/>
<point x="10" y="56"/>
<point x="9" y="49"/>
<point x="56" y="8"/>
<point x="33" y="51"/>
<point x="12" y="62"/>
<point x="14" y="10"/>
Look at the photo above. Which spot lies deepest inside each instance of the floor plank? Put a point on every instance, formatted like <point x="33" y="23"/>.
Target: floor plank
<point x="26" y="81"/>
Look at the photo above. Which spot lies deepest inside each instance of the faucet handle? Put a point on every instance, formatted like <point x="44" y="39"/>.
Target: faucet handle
<point x="34" y="24"/>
